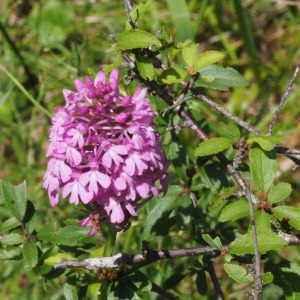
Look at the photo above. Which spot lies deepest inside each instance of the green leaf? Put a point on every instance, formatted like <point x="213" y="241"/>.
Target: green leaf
<point x="52" y="260"/>
<point x="145" y="68"/>
<point x="139" y="10"/>
<point x="172" y="75"/>
<point x="213" y="146"/>
<point x="94" y="288"/>
<point x="230" y="131"/>
<point x="279" y="192"/>
<point x="201" y="282"/>
<point x="122" y="290"/>
<point x="292" y="214"/>
<point x="70" y="292"/>
<point x="30" y="253"/>
<point x="160" y="208"/>
<point x="71" y="235"/>
<point x="224" y="78"/>
<point x="265" y="142"/>
<point x="267" y="278"/>
<point x="234" y="211"/>
<point x="238" y="273"/>
<point x="134" y="39"/>
<point x="266" y="238"/>
<point x="9" y="224"/>
<point x="208" y="78"/>
<point x="10" y="254"/>
<point x="141" y="282"/>
<point x="68" y="235"/>
<point x="108" y="68"/>
<point x="262" y="167"/>
<point x="190" y="54"/>
<point x="11" y="239"/>
<point x="15" y="198"/>
<point x="207" y="58"/>
<point x="216" y="242"/>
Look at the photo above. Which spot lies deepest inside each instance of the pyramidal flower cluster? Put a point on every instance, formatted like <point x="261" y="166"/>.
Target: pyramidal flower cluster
<point x="104" y="151"/>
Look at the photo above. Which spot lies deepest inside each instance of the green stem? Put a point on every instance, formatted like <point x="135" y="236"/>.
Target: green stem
<point x="24" y="91"/>
<point x="108" y="251"/>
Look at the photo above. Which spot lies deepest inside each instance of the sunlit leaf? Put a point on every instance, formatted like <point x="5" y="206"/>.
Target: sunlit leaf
<point x="279" y="192"/>
<point x="224" y="78"/>
<point x="292" y="214"/>
<point x="236" y="210"/>
<point x="262" y="167"/>
<point x="172" y="75"/>
<point x="134" y="39"/>
<point x="266" y="238"/>
<point x="213" y="146"/>
<point x="230" y="131"/>
<point x="207" y="58"/>
<point x="238" y="273"/>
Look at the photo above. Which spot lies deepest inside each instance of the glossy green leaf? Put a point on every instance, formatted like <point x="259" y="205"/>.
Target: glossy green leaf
<point x="216" y="242"/>
<point x="9" y="224"/>
<point x="207" y="58"/>
<point x="224" y="78"/>
<point x="15" y="198"/>
<point x="30" y="253"/>
<point x="134" y="39"/>
<point x="11" y="239"/>
<point x="172" y="75"/>
<point x="262" y="167"/>
<point x="238" y="273"/>
<point x="234" y="211"/>
<point x="190" y="54"/>
<point x="267" y="239"/>
<point x="230" y="131"/>
<point x="279" y="192"/>
<point x="213" y="146"/>
<point x="292" y="214"/>
<point x="145" y="68"/>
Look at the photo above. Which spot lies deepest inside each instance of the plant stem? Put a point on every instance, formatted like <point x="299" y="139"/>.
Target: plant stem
<point x="257" y="290"/>
<point x="24" y="91"/>
<point x="108" y="251"/>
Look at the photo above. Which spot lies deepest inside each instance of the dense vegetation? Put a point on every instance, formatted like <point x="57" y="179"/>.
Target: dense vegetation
<point x="45" y="45"/>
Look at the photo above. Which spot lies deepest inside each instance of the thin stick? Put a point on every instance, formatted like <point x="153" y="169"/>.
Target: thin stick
<point x="132" y="259"/>
<point x="282" y="101"/>
<point x="211" y="270"/>
<point x="128" y="9"/>
<point x="226" y="113"/>
<point x="128" y="259"/>
<point x="257" y="290"/>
